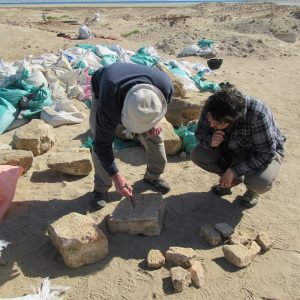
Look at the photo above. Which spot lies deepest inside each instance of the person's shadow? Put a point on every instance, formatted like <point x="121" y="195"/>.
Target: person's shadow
<point x="25" y="228"/>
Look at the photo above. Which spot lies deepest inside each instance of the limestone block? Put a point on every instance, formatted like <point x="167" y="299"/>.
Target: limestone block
<point x="76" y="163"/>
<point x="180" y="256"/>
<point x="144" y="214"/>
<point x="155" y="259"/>
<point x="224" y="229"/>
<point x="172" y="141"/>
<point x="78" y="239"/>
<point x="240" y="255"/>
<point x="239" y="238"/>
<point x="264" y="241"/>
<point x="210" y="235"/>
<point x="36" y="136"/>
<point x="4" y="146"/>
<point x="181" y="278"/>
<point x="16" y="158"/>
<point x="197" y="273"/>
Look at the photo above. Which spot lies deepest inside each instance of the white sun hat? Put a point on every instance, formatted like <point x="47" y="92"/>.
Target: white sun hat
<point x="144" y="106"/>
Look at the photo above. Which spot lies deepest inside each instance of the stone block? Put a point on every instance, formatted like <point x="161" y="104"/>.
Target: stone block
<point x="181" y="278"/>
<point x="36" y="136"/>
<point x="224" y="229"/>
<point x="239" y="238"/>
<point x="172" y="141"/>
<point x="180" y="256"/>
<point x="240" y="255"/>
<point x="20" y="158"/>
<point x="77" y="163"/>
<point x="210" y="235"/>
<point x="78" y="239"/>
<point x="197" y="273"/>
<point x="264" y="241"/>
<point x="155" y="259"/>
<point x="144" y="215"/>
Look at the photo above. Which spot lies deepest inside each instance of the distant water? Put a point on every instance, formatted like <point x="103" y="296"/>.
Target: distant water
<point x="136" y="2"/>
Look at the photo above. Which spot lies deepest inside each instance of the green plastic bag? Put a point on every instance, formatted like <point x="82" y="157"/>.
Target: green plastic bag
<point x="205" y="43"/>
<point x="188" y="138"/>
<point x="13" y="96"/>
<point x="108" y="59"/>
<point x="204" y="85"/>
<point x="143" y="58"/>
<point x="87" y="47"/>
<point x="8" y="114"/>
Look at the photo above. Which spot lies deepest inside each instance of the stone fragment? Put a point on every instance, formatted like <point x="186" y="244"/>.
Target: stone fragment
<point x="155" y="259"/>
<point x="181" y="278"/>
<point x="20" y="158"/>
<point x="79" y="163"/>
<point x="36" y="136"/>
<point x="144" y="214"/>
<point x="197" y="273"/>
<point x="172" y="141"/>
<point x="224" y="229"/>
<point x="210" y="235"/>
<point x="240" y="255"/>
<point x="239" y="238"/>
<point x="286" y="37"/>
<point x="4" y="146"/>
<point x="264" y="241"/>
<point x="78" y="239"/>
<point x="180" y="256"/>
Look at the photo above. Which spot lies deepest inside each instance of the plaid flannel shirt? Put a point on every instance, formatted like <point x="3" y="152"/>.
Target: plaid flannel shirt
<point x="256" y="136"/>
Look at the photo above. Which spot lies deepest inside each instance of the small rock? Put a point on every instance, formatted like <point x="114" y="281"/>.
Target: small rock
<point x="20" y="158"/>
<point x="224" y="229"/>
<point x="181" y="278"/>
<point x="180" y="256"/>
<point x="182" y="155"/>
<point x="240" y="255"/>
<point x="286" y="37"/>
<point x="239" y="238"/>
<point x="155" y="259"/>
<point x="197" y="273"/>
<point x="4" y="146"/>
<point x="209" y="234"/>
<point x="264" y="241"/>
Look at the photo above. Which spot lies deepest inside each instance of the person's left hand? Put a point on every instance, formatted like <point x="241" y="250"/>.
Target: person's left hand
<point x="156" y="130"/>
<point x="226" y="179"/>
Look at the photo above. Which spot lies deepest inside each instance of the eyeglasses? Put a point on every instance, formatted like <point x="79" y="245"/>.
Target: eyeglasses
<point x="215" y="124"/>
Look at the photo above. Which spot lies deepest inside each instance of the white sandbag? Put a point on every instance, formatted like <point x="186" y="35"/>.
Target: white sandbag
<point x="70" y="77"/>
<point x="63" y="63"/>
<point x="47" y="60"/>
<point x="58" y="90"/>
<point x="36" y="78"/>
<point x="53" y="73"/>
<point x="102" y="50"/>
<point x="62" y="113"/>
<point x="92" y="60"/>
<point x="117" y="49"/>
<point x="84" y="32"/>
<point x="189" y="50"/>
<point x="74" y="53"/>
<point x="75" y="92"/>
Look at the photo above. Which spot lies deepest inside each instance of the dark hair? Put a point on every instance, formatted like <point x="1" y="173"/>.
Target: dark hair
<point x="226" y="105"/>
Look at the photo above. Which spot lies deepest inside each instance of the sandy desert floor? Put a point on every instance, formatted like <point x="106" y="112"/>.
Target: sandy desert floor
<point x="259" y="64"/>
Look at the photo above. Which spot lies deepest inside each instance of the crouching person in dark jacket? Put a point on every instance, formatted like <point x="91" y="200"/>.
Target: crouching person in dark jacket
<point x="239" y="140"/>
<point x="137" y="97"/>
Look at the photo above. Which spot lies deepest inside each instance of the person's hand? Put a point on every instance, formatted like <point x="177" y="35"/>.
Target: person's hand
<point x="156" y="130"/>
<point x="121" y="185"/>
<point x="217" y="138"/>
<point x="227" y="179"/>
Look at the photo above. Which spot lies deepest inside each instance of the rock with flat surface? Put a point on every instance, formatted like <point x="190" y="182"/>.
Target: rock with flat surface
<point x="20" y="158"/>
<point x="180" y="256"/>
<point x="144" y="215"/>
<point x="78" y="239"/>
<point x="4" y="146"/>
<point x="224" y="229"/>
<point x="197" y="273"/>
<point x="240" y="255"/>
<point x="264" y="241"/>
<point x="239" y="238"/>
<point x="172" y="141"/>
<point x="286" y="37"/>
<point x="210" y="235"/>
<point x="74" y="163"/>
<point x="36" y="136"/>
<point x="155" y="259"/>
<point x="181" y="278"/>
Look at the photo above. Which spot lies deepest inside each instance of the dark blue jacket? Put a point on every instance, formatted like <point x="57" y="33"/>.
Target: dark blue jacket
<point x="110" y="86"/>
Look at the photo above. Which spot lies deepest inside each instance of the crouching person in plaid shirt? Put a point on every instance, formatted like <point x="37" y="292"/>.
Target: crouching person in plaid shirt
<point x="239" y="140"/>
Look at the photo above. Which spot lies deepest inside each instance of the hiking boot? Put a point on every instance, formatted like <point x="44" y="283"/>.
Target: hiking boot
<point x="249" y="199"/>
<point x="159" y="184"/>
<point x="98" y="200"/>
<point x="222" y="191"/>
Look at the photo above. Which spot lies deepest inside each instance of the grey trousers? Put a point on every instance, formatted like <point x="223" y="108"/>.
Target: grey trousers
<point x="155" y="156"/>
<point x="259" y="182"/>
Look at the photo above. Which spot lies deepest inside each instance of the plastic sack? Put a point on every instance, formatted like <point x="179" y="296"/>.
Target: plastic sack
<point x="9" y="176"/>
<point x="102" y="50"/>
<point x="36" y="78"/>
<point x="62" y="113"/>
<point x="84" y="32"/>
<point x="142" y="57"/>
<point x="188" y="138"/>
<point x="87" y="47"/>
<point x="108" y="59"/>
<point x="8" y="113"/>
<point x="205" y="43"/>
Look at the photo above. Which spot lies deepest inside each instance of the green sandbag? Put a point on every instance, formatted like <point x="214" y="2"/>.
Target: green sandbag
<point x="87" y="47"/>
<point x="13" y="96"/>
<point x="188" y="138"/>
<point x="108" y="60"/>
<point x="8" y="113"/>
<point x="143" y="58"/>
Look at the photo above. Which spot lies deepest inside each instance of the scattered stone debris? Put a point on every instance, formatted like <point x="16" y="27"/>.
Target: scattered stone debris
<point x="210" y="235"/>
<point x="142" y="214"/>
<point x="155" y="259"/>
<point x="180" y="256"/>
<point x="239" y="238"/>
<point x="224" y="229"/>
<point x="20" y="158"/>
<point x="181" y="278"/>
<point x="197" y="273"/>
<point x="264" y="241"/>
<point x="78" y="239"/>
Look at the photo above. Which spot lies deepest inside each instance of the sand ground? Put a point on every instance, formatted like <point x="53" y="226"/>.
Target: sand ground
<point x="259" y="64"/>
